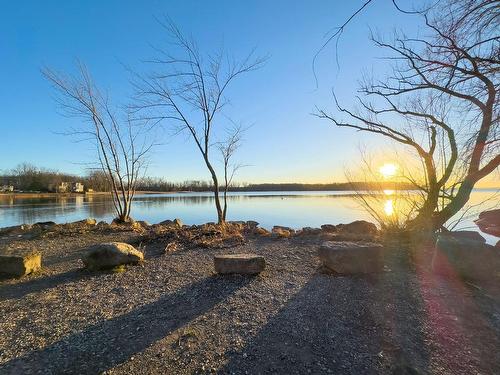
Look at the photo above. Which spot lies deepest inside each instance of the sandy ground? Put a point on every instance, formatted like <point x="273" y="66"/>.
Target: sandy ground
<point x="173" y="315"/>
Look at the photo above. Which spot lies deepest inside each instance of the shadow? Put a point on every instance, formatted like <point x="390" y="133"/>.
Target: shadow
<point x="111" y="342"/>
<point x="21" y="289"/>
<point x="335" y="325"/>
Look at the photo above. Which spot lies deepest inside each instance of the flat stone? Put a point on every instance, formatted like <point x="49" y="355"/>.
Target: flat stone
<point x="19" y="265"/>
<point x="239" y="263"/>
<point x="110" y="255"/>
<point x="466" y="258"/>
<point x="351" y="257"/>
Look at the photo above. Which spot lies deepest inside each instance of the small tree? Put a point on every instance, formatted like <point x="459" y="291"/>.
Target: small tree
<point x="189" y="90"/>
<point x="441" y="102"/>
<point x="227" y="150"/>
<point x="121" y="147"/>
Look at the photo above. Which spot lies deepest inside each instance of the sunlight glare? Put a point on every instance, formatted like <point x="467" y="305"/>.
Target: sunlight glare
<point x="388" y="170"/>
<point x="389" y="207"/>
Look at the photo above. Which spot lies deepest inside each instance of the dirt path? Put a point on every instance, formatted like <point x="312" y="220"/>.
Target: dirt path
<point x="173" y="315"/>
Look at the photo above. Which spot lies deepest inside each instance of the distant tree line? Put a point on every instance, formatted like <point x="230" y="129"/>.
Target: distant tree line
<point x="28" y="177"/>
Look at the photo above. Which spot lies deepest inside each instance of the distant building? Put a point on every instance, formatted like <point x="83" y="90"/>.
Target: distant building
<point x="77" y="187"/>
<point x="62" y="187"/>
<point x="7" y="188"/>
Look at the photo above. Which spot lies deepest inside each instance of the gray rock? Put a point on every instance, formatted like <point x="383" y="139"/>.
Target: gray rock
<point x="351" y="257"/>
<point x="239" y="263"/>
<point x="467" y="258"/>
<point x="19" y="265"/>
<point x="111" y="254"/>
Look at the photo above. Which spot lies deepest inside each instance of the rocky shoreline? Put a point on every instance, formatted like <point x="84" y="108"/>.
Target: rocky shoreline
<point x="173" y="314"/>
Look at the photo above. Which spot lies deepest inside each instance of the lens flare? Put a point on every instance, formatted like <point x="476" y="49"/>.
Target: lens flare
<point x="388" y="170"/>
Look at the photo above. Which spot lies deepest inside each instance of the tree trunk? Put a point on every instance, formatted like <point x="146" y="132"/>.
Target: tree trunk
<point x="455" y="205"/>
<point x="220" y="215"/>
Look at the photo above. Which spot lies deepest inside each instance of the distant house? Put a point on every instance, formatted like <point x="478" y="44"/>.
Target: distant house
<point x="6" y="188"/>
<point x="62" y="187"/>
<point x="77" y="187"/>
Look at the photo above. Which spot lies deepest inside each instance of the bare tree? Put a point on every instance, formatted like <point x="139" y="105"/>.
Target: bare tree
<point x="441" y="102"/>
<point x="122" y="147"/>
<point x="189" y="90"/>
<point x="227" y="149"/>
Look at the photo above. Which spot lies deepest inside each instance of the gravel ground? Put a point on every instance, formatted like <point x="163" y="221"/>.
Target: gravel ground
<point x="173" y="315"/>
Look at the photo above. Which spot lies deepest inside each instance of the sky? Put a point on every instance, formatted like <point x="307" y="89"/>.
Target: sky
<point x="285" y="142"/>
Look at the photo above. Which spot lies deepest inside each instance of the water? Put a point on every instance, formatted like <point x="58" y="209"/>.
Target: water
<point x="294" y="209"/>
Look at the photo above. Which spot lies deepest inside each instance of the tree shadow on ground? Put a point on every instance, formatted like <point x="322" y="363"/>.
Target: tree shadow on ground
<point x="339" y="325"/>
<point x="111" y="342"/>
<point x="21" y="289"/>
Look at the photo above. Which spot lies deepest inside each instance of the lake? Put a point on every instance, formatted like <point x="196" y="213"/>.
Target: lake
<point x="294" y="209"/>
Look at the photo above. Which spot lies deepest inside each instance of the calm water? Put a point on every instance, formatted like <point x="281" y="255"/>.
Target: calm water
<point x="294" y="209"/>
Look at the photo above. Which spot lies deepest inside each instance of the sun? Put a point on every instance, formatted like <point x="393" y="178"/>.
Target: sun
<point x="388" y="170"/>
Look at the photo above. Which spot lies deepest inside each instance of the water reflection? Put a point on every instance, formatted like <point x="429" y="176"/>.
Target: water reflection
<point x="389" y="207"/>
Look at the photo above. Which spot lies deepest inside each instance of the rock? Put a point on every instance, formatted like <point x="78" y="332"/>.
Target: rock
<point x="44" y="225"/>
<point x="349" y="258"/>
<point x="261" y="231"/>
<point x="467" y="258"/>
<point x="252" y="224"/>
<point x="239" y="263"/>
<point x="280" y="228"/>
<point x="13" y="265"/>
<point x="88" y="221"/>
<point x="143" y="224"/>
<point x="16" y="229"/>
<point x="176" y="222"/>
<point x="469" y="234"/>
<point x="489" y="222"/>
<point x="111" y="254"/>
<point x="358" y="227"/>
<point x="282" y="232"/>
<point x="308" y="231"/>
<point x="328" y="228"/>
<point x="102" y="224"/>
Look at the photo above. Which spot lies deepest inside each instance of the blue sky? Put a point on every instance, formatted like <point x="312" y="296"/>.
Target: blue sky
<point x="285" y="143"/>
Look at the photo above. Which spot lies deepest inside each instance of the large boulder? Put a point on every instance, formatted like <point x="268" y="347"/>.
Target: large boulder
<point x="110" y="255"/>
<point x="350" y="258"/>
<point x="489" y="222"/>
<point x="358" y="227"/>
<point x="239" y="263"/>
<point x="466" y="258"/>
<point x="17" y="265"/>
